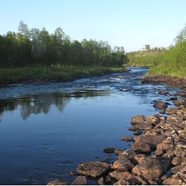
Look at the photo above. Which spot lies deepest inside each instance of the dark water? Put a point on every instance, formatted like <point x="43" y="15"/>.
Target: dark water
<point x="46" y="130"/>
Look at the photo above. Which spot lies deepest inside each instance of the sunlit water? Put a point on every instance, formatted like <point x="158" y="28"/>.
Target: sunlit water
<point x="46" y="130"/>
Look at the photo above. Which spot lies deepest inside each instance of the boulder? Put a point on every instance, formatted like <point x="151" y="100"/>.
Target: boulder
<point x="173" y="180"/>
<point x="139" y="158"/>
<point x="56" y="182"/>
<point x="138" y="119"/>
<point x="160" y="105"/>
<point x="176" y="161"/>
<point x="122" y="165"/>
<point x="152" y="168"/>
<point x="152" y="120"/>
<point x="137" y="132"/>
<point x="171" y="111"/>
<point x="163" y="92"/>
<point x="141" y="147"/>
<point x="119" y="175"/>
<point x="127" y="154"/>
<point x="147" y="143"/>
<point x="80" y="180"/>
<point x="143" y="126"/>
<point x="93" y="169"/>
<point x="121" y="182"/>
<point x="100" y="181"/>
<point x="164" y="148"/>
<point x="109" y="150"/>
<point x="127" y="138"/>
<point x="133" y="128"/>
<point x="173" y="120"/>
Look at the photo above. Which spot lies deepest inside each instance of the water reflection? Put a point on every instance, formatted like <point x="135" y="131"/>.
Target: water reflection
<point x="42" y="103"/>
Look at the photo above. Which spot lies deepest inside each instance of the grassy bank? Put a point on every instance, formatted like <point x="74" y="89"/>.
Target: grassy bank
<point x="173" y="62"/>
<point x="164" y="62"/>
<point x="169" y="62"/>
<point x="52" y="73"/>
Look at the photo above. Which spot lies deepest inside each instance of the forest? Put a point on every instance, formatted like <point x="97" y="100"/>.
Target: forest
<point x="33" y="47"/>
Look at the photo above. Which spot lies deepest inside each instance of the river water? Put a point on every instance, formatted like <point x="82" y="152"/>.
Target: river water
<point x="47" y="129"/>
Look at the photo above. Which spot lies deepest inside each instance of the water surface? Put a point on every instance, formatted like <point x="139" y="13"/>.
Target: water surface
<point x="46" y="130"/>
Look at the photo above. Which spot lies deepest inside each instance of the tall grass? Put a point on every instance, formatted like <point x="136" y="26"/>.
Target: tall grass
<point x="170" y="62"/>
<point x="52" y="73"/>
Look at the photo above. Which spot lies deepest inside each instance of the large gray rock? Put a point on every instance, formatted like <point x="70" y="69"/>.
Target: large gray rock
<point x="152" y="168"/>
<point x="93" y="169"/>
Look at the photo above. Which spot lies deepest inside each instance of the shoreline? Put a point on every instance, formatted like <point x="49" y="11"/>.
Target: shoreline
<point x="37" y="75"/>
<point x="157" y="154"/>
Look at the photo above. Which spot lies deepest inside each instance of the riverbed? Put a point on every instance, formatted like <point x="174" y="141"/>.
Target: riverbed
<point x="46" y="130"/>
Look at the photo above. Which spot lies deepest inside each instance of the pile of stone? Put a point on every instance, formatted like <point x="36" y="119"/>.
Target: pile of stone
<point x="157" y="154"/>
<point x="172" y="81"/>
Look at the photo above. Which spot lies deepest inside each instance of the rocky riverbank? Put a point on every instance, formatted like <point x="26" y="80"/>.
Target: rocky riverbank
<point x="172" y="81"/>
<point x="157" y="154"/>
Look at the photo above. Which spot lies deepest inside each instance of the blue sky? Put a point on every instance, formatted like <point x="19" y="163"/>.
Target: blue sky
<point x="128" y="23"/>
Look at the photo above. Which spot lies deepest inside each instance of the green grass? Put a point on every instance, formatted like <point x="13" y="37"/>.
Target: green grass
<point x="170" y="62"/>
<point x="52" y="73"/>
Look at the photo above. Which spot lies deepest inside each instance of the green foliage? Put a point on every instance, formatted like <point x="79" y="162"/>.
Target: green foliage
<point x="52" y="73"/>
<point x="39" y="47"/>
<point x="171" y="62"/>
<point x="147" y="58"/>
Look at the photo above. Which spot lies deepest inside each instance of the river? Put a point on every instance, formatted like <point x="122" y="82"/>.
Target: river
<point x="47" y="129"/>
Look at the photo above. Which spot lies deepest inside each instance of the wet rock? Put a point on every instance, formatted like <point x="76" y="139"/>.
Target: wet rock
<point x="133" y="128"/>
<point x="147" y="143"/>
<point x="127" y="138"/>
<point x="143" y="126"/>
<point x="141" y="147"/>
<point x="152" y="168"/>
<point x="178" y="102"/>
<point x="174" y="180"/>
<point x="152" y="120"/>
<point x="109" y="150"/>
<point x="127" y="154"/>
<point x="171" y="111"/>
<point x="121" y="175"/>
<point x="121" y="182"/>
<point x="139" y="158"/>
<point x="176" y="160"/>
<point x="160" y="105"/>
<point x="108" y="180"/>
<point x="173" y="120"/>
<point x="122" y="165"/>
<point x="163" y="92"/>
<point x="152" y="182"/>
<point x="173" y="98"/>
<point x="138" y="119"/>
<point x="137" y="180"/>
<point x="93" y="169"/>
<point x="80" y="180"/>
<point x="164" y="147"/>
<point x="137" y="132"/>
<point x="56" y="182"/>
<point x="100" y="181"/>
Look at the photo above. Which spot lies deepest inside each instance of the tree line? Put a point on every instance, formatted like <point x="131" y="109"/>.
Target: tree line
<point x="32" y="47"/>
